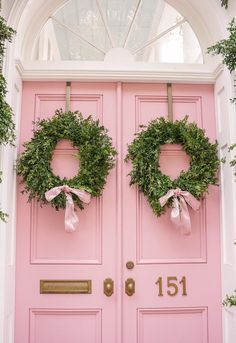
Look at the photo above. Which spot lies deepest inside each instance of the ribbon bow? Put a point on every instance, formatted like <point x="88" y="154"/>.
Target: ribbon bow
<point x="71" y="218"/>
<point x="179" y="213"/>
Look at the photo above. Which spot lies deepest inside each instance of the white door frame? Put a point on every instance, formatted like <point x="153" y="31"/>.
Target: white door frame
<point x="18" y="67"/>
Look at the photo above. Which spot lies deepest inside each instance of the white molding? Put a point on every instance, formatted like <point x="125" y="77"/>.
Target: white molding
<point x="100" y="71"/>
<point x="8" y="230"/>
<point x="226" y="134"/>
<point x="218" y="71"/>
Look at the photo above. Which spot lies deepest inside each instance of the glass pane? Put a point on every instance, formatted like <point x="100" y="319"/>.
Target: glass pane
<point x="83" y="18"/>
<point x="146" y="24"/>
<point x="178" y="46"/>
<point x="119" y="15"/>
<point x="73" y="48"/>
<point x="157" y="32"/>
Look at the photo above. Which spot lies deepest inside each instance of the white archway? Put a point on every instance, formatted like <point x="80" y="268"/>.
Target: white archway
<point x="209" y="22"/>
<point x="23" y="15"/>
<point x="24" y="12"/>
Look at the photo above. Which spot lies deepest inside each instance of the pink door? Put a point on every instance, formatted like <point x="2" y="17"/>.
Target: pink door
<point x="177" y="278"/>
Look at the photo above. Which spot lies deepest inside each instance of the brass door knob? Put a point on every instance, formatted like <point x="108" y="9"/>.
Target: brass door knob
<point x="130" y="287"/>
<point x="108" y="287"/>
<point x="130" y="265"/>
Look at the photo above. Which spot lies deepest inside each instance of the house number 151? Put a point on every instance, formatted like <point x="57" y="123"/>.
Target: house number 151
<point x="173" y="286"/>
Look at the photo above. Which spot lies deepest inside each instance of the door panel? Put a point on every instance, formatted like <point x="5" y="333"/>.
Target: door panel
<point x="172" y="325"/>
<point x="46" y="252"/>
<point x="60" y="326"/>
<point x="177" y="278"/>
<point x="166" y="261"/>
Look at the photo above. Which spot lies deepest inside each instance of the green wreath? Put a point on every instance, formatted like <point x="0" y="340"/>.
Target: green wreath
<point x="96" y="155"/>
<point x="144" y="153"/>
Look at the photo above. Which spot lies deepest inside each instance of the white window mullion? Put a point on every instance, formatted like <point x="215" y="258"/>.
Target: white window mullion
<point x="78" y="35"/>
<point x="158" y="36"/>
<point x="105" y="24"/>
<point x="131" y="24"/>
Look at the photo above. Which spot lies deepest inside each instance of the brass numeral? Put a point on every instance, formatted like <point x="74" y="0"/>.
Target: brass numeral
<point x="183" y="283"/>
<point x="159" y="284"/>
<point x="173" y="286"/>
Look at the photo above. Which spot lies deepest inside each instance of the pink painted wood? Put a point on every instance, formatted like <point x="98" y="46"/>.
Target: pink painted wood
<point x="117" y="228"/>
<point x="157" y="247"/>
<point x="46" y="251"/>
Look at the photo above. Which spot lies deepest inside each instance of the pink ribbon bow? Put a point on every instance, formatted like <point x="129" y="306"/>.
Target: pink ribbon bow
<point x="71" y="218"/>
<point x="179" y="213"/>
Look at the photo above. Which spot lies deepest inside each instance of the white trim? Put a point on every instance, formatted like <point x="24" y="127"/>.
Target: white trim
<point x="226" y="133"/>
<point x="8" y="230"/>
<point x="100" y="71"/>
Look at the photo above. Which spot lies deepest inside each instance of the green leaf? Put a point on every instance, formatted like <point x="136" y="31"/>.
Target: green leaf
<point x="96" y="155"/>
<point x="144" y="154"/>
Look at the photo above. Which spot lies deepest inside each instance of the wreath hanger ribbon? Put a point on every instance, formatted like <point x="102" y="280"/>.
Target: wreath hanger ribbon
<point x="179" y="213"/>
<point x="71" y="219"/>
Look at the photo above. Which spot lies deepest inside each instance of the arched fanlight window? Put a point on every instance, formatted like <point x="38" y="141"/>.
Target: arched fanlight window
<point x="151" y="30"/>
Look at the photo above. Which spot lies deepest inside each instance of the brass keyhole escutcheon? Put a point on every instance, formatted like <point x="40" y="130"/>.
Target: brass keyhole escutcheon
<point x="130" y="287"/>
<point x="108" y="287"/>
<point x="130" y="265"/>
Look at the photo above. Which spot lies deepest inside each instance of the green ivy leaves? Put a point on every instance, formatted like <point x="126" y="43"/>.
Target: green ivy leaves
<point x="144" y="153"/>
<point x="230" y="300"/>
<point x="6" y="34"/>
<point x="227" y="47"/>
<point x="225" y="3"/>
<point x="7" y="126"/>
<point x="96" y="155"/>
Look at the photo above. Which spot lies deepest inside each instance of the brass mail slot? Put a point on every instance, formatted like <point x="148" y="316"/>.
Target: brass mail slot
<point x="65" y="286"/>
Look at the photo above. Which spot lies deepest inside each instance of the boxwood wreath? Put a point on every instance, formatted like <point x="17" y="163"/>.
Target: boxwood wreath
<point x="144" y="153"/>
<point x="95" y="152"/>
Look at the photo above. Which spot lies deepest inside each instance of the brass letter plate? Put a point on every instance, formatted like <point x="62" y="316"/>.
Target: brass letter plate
<point x="65" y="286"/>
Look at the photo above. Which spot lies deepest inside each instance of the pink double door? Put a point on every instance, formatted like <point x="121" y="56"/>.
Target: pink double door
<point x="172" y="281"/>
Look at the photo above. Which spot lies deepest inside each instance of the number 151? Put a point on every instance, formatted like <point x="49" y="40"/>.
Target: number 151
<point x="173" y="286"/>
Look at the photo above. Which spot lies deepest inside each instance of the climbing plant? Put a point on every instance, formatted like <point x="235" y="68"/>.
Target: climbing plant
<point x="7" y="126"/>
<point x="225" y="3"/>
<point x="227" y="47"/>
<point x="230" y="300"/>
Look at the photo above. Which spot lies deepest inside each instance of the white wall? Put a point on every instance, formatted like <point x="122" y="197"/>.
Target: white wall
<point x="226" y="127"/>
<point x="6" y="7"/>
<point x="226" y="115"/>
